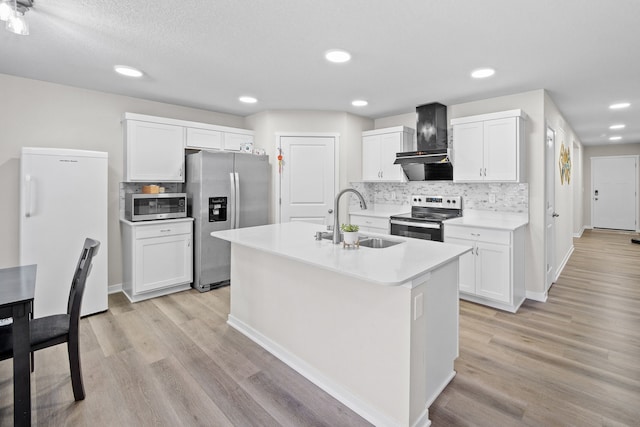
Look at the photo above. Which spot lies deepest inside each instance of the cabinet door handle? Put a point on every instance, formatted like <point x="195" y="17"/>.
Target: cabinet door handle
<point x="480" y="171"/>
<point x="166" y="230"/>
<point x="485" y="171"/>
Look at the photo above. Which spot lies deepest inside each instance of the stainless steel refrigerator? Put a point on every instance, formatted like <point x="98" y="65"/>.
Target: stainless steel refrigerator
<point x="225" y="190"/>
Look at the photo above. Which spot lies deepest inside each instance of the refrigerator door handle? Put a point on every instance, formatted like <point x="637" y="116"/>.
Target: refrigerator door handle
<point x="236" y="205"/>
<point x="232" y="202"/>
<point x="28" y="204"/>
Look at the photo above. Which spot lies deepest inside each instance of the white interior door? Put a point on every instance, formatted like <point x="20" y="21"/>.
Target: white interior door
<point x="613" y="192"/>
<point x="550" y="207"/>
<point x="307" y="178"/>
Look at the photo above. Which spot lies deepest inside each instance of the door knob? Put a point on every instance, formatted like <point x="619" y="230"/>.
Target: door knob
<point x="555" y="215"/>
<point x="330" y="211"/>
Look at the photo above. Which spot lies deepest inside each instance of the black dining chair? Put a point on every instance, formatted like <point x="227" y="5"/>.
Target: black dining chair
<point x="60" y="328"/>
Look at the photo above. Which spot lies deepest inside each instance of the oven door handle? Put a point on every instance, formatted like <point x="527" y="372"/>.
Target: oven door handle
<point x="415" y="224"/>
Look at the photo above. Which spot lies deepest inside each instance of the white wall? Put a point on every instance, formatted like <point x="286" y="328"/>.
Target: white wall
<point x="565" y="193"/>
<point x="602" y="151"/>
<point x="350" y="127"/>
<point x="578" y="190"/>
<point x="39" y="114"/>
<point x="407" y="119"/>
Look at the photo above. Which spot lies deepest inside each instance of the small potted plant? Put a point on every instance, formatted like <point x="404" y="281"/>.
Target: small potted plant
<point x="350" y="233"/>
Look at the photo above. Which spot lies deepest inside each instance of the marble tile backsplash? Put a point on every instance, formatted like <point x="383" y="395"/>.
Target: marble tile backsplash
<point x="508" y="197"/>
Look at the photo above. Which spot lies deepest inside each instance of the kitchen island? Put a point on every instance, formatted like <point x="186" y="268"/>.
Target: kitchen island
<point x="375" y="328"/>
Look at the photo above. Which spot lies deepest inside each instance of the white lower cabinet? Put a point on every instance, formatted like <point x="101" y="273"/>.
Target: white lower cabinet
<point x="370" y="224"/>
<point x="493" y="272"/>
<point x="158" y="257"/>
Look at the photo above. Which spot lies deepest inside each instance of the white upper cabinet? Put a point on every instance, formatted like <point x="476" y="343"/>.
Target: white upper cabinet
<point x="154" y="146"/>
<point x="214" y="139"/>
<point x="379" y="148"/>
<point x="489" y="147"/>
<point x="233" y="141"/>
<point x="153" y="152"/>
<point x="204" y="139"/>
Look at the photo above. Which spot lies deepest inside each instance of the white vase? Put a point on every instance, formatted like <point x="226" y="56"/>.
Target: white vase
<point x="350" y="237"/>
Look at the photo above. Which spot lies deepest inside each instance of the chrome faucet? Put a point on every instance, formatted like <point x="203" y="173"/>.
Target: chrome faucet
<point x="336" y="217"/>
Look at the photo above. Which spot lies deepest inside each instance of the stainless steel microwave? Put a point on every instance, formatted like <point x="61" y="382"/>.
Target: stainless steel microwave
<point x="145" y="207"/>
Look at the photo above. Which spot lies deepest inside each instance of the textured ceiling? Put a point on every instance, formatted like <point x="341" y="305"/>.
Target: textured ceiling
<point x="205" y="54"/>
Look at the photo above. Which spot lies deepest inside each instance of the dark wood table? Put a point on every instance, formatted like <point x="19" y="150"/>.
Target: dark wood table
<point x="17" y="289"/>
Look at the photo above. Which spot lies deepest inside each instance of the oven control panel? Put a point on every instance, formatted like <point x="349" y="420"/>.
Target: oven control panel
<point x="452" y="202"/>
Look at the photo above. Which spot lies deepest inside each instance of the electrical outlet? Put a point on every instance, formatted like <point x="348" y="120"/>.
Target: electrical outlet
<point x="492" y="198"/>
<point x="418" y="307"/>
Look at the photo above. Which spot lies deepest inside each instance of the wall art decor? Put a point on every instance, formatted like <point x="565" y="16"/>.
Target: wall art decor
<point x="565" y="165"/>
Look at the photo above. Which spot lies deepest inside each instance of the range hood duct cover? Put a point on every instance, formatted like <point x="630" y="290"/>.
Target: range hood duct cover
<point x="431" y="160"/>
<point x="431" y="128"/>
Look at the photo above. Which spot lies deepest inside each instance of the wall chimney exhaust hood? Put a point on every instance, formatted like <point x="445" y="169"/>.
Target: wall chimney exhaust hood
<point x="431" y="160"/>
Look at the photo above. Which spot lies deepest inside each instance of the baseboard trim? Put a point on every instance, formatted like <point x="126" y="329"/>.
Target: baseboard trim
<point x="343" y="395"/>
<point x="114" y="289"/>
<point x="537" y="296"/>
<point x="564" y="262"/>
<point x="579" y="233"/>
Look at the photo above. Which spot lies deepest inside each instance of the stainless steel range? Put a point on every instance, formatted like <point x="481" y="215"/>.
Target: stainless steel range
<point x="426" y="217"/>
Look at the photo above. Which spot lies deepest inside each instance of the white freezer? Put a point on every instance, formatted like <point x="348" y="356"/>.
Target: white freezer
<point x="63" y="199"/>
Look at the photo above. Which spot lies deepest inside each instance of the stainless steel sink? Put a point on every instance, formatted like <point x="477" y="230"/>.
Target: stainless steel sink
<point x="378" y="242"/>
<point x="369" y="242"/>
<point x="329" y="235"/>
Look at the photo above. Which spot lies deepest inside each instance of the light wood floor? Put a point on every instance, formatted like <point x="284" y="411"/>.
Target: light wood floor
<point x="572" y="361"/>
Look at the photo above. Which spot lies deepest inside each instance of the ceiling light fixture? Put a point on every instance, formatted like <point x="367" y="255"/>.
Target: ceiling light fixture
<point x="12" y="11"/>
<point x="615" y="138"/>
<point x="482" y="73"/>
<point x="125" y="70"/>
<point x="359" y="103"/>
<point x="619" y="105"/>
<point x="620" y="126"/>
<point x="248" y="99"/>
<point x="337" y="56"/>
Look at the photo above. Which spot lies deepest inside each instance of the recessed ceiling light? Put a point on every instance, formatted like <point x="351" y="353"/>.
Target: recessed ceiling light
<point x="619" y="105"/>
<point x="337" y="55"/>
<point x="248" y="99"/>
<point x="128" y="71"/>
<point x="615" y="138"/>
<point x="482" y="73"/>
<point x="620" y="126"/>
<point x="359" y="103"/>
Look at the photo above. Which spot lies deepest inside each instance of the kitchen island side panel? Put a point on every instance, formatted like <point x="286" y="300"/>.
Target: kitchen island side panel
<point x="351" y="337"/>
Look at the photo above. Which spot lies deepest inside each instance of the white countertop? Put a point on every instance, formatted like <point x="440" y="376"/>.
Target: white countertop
<point x="393" y="266"/>
<point x="381" y="211"/>
<point x="488" y="219"/>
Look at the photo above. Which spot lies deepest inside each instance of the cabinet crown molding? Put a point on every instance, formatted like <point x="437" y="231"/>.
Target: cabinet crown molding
<point x="184" y="123"/>
<point x="388" y="130"/>
<point x="490" y="116"/>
